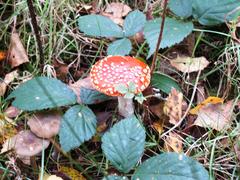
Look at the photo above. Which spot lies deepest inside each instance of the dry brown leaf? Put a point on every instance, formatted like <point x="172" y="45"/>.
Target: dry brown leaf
<point x="6" y="81"/>
<point x="7" y="130"/>
<point x="116" y="12"/>
<point x="86" y="83"/>
<point x="173" y="106"/>
<point x="17" y="54"/>
<point x="173" y="143"/>
<point x="217" y="116"/>
<point x="188" y="64"/>
<point x="8" y="144"/>
<point x="158" y="126"/>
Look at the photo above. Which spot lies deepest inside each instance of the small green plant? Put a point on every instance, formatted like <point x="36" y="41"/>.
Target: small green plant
<point x="100" y="26"/>
<point x="129" y="90"/>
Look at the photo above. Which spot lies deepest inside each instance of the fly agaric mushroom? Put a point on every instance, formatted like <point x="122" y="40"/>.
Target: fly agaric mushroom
<point x="112" y="71"/>
<point x="45" y="125"/>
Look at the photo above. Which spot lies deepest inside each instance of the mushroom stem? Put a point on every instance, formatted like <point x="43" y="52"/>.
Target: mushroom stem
<point x="125" y="106"/>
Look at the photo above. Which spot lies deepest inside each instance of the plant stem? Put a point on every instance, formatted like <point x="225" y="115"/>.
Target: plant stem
<point x="36" y="29"/>
<point x="159" y="37"/>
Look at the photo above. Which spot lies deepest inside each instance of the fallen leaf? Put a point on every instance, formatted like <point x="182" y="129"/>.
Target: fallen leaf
<point x="200" y="94"/>
<point x="158" y="126"/>
<point x="102" y="118"/>
<point x="209" y="100"/>
<point x="7" y="130"/>
<point x="217" y="116"/>
<point x="188" y="64"/>
<point x="8" y="144"/>
<point x="6" y="81"/>
<point x="71" y="173"/>
<point x="116" y="12"/>
<point x="61" y="69"/>
<point x="173" y="143"/>
<point x="17" y="54"/>
<point x="173" y="106"/>
<point x="76" y="87"/>
<point x="3" y="55"/>
<point x="89" y="94"/>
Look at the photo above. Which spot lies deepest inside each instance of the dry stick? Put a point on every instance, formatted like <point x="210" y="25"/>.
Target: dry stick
<point x="159" y="37"/>
<point x="36" y="29"/>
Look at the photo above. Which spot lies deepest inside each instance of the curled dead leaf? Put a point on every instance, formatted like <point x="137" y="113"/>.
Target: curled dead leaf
<point x="116" y="11"/>
<point x="6" y="81"/>
<point x="217" y="116"/>
<point x="173" y="107"/>
<point x="17" y="54"/>
<point x="173" y="143"/>
<point x="158" y="126"/>
<point x="188" y="64"/>
<point x="76" y="87"/>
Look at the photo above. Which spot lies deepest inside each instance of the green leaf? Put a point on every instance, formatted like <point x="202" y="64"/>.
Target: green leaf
<point x="139" y="98"/>
<point x="182" y="8"/>
<point x="121" y="88"/>
<point x="134" y="23"/>
<point x="214" y="12"/>
<point x="164" y="82"/>
<point x="123" y="145"/>
<point x="174" y="32"/>
<point x="77" y="126"/>
<point x="100" y="26"/>
<point x="169" y="166"/>
<point x="91" y="96"/>
<point x="132" y="87"/>
<point x="120" y="47"/>
<point x="41" y="93"/>
<point x="114" y="177"/>
<point x="129" y="95"/>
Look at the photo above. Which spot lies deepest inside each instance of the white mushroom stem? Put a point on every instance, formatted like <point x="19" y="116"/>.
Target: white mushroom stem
<point x="125" y="106"/>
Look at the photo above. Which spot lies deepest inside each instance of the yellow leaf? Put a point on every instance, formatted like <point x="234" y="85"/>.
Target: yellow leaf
<point x="188" y="64"/>
<point x="72" y="173"/>
<point x="209" y="100"/>
<point x="158" y="126"/>
<point x="7" y="130"/>
<point x="3" y="55"/>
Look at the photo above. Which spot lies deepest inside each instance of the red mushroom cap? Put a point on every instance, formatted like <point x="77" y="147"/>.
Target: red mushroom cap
<point x="115" y="70"/>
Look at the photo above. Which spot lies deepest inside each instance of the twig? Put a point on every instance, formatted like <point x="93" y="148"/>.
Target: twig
<point x="36" y="29"/>
<point x="160" y="36"/>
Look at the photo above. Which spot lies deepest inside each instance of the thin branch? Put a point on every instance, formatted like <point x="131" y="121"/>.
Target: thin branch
<point x="159" y="37"/>
<point x="36" y="29"/>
